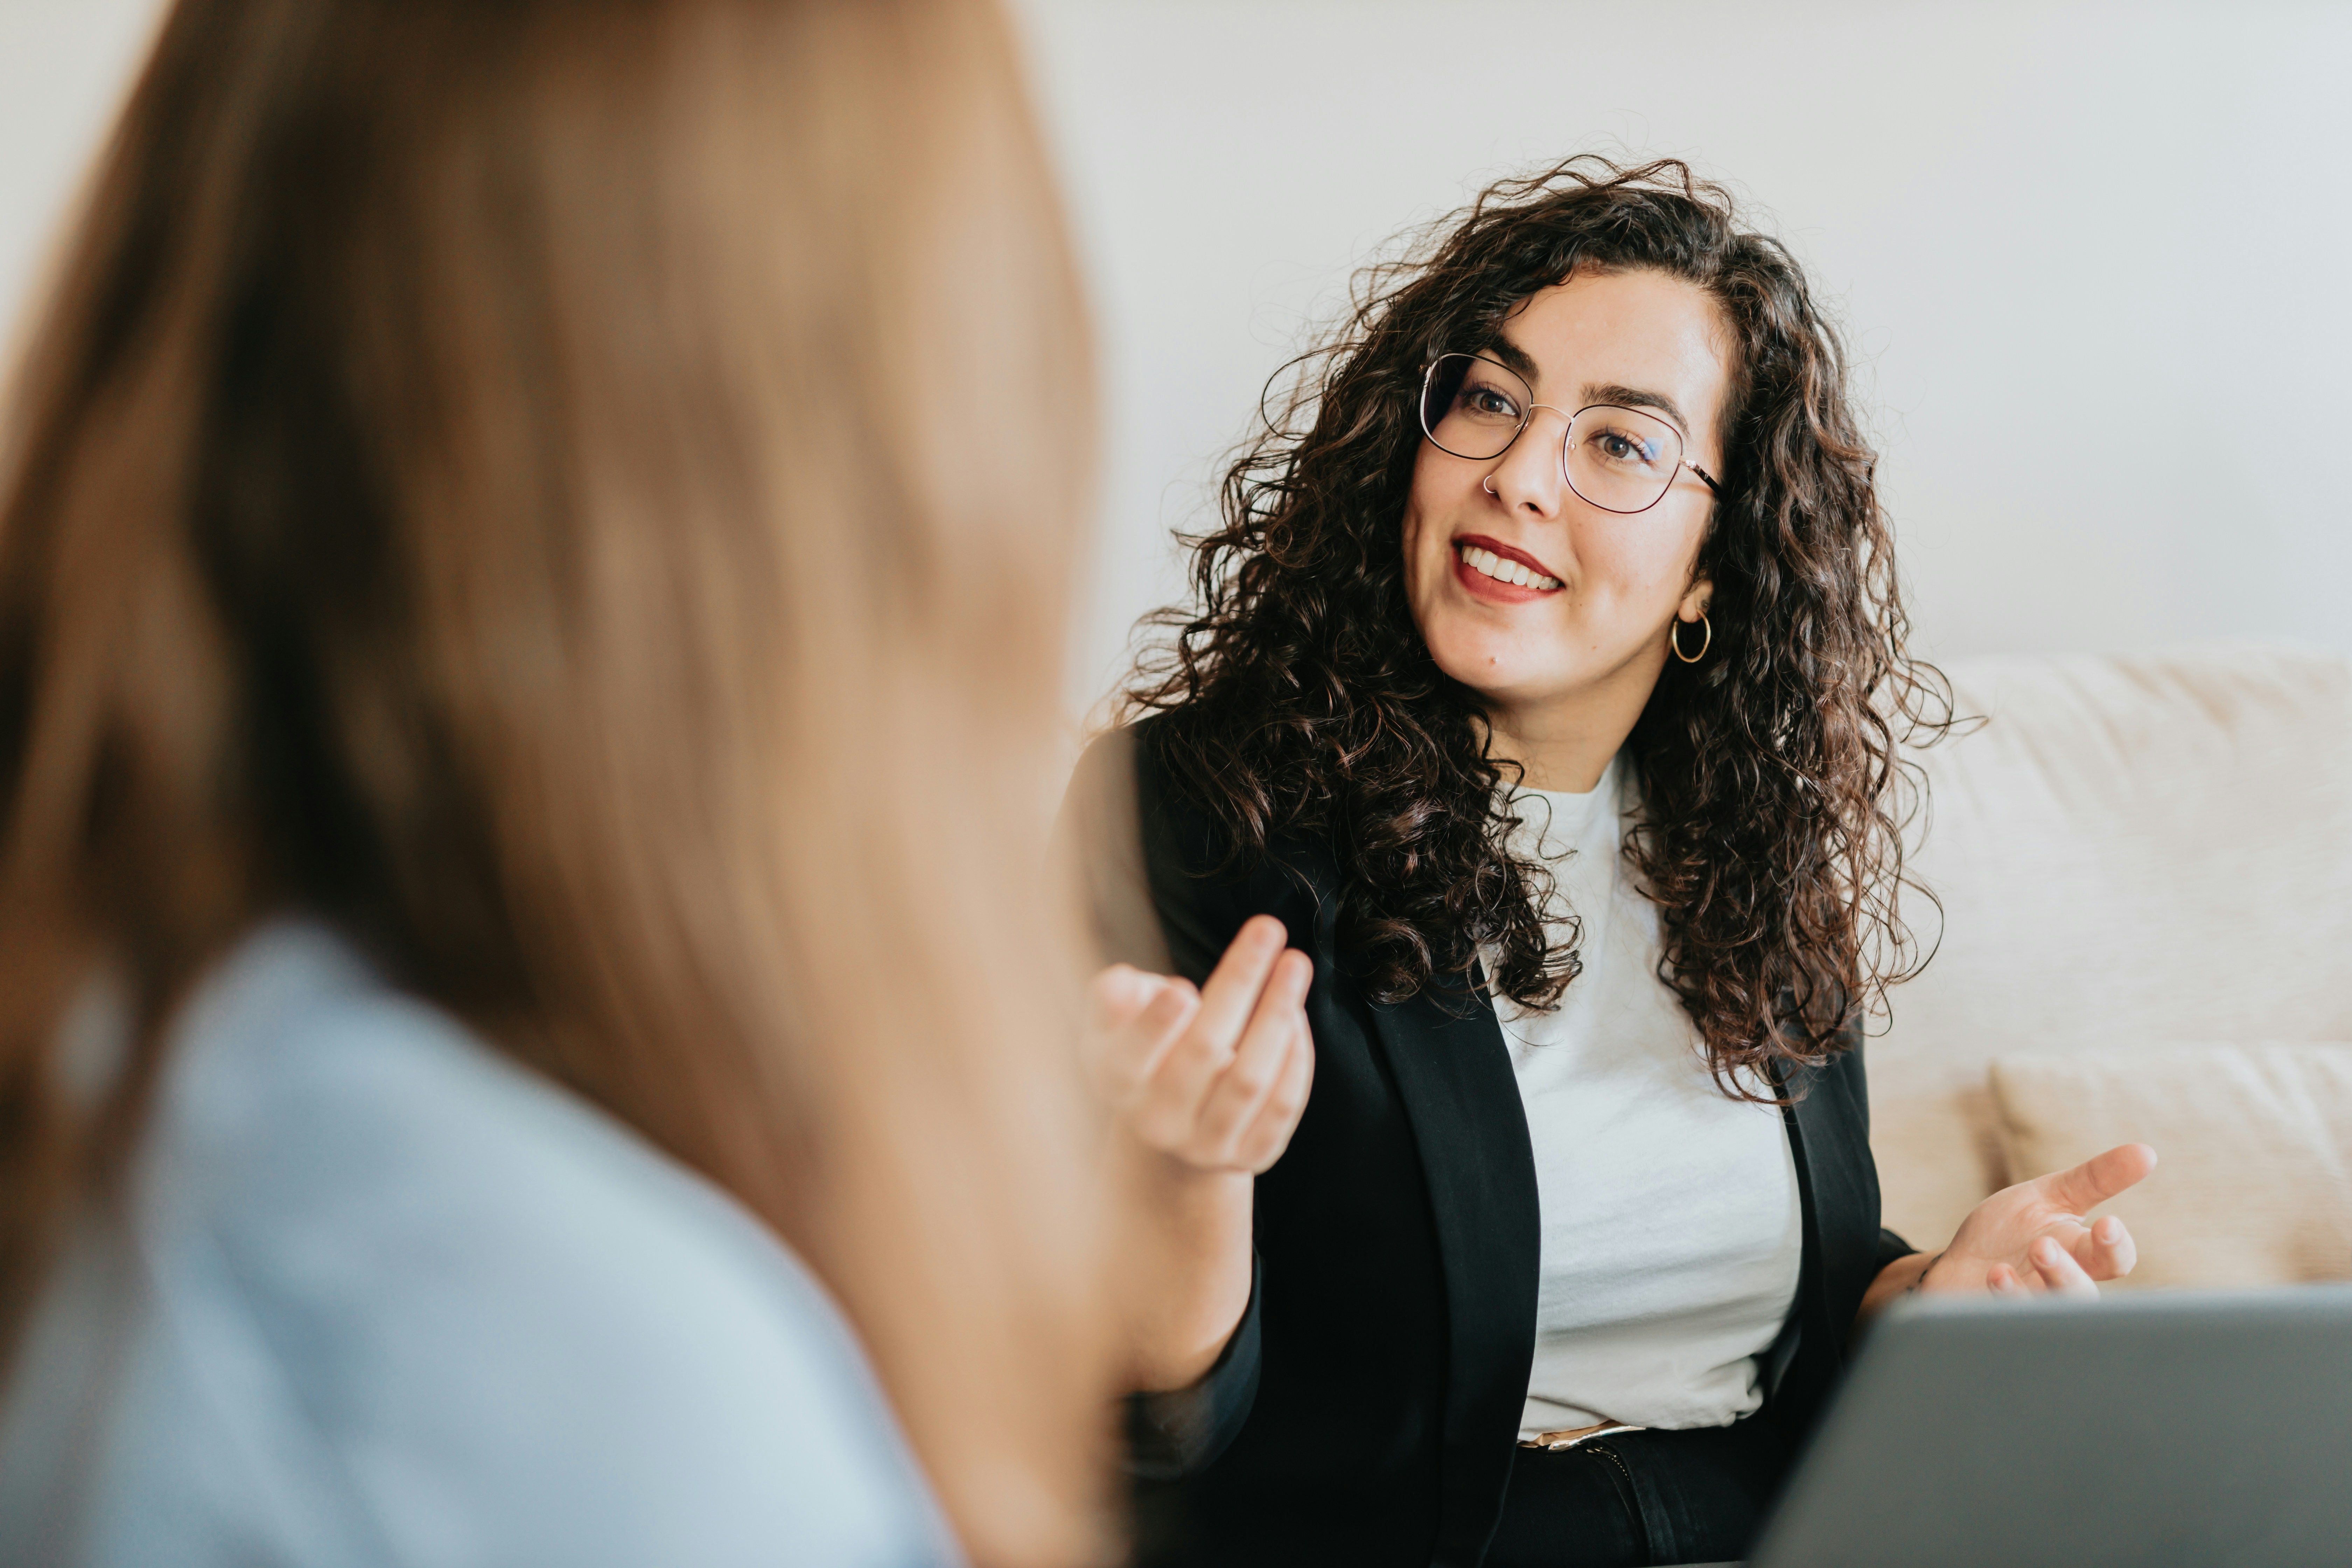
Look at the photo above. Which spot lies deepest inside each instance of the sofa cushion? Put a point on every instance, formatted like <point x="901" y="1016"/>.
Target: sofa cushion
<point x="2130" y="850"/>
<point x="2253" y="1181"/>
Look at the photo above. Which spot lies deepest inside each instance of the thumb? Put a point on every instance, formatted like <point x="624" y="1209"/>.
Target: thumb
<point x="2099" y="1178"/>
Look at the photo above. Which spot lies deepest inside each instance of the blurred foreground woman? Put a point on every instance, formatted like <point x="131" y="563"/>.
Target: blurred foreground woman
<point x="531" y="581"/>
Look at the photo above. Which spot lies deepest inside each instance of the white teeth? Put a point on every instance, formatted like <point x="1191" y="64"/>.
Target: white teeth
<point x="1503" y="571"/>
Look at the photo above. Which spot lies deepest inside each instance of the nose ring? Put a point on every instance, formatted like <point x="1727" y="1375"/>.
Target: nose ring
<point x="1487" y="484"/>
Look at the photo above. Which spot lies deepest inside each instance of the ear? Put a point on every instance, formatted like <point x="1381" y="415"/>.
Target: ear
<point x="1695" y="602"/>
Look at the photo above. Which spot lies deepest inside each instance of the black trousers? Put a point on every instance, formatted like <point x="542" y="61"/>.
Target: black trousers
<point x="1634" y="1499"/>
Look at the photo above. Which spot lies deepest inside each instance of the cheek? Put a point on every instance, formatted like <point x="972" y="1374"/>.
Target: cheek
<point x="1424" y="533"/>
<point x="1647" y="567"/>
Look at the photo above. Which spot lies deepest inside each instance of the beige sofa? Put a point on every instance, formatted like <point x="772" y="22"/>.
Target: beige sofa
<point x="2144" y="865"/>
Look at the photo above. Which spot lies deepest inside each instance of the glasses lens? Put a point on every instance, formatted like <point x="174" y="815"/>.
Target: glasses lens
<point x="1471" y="406"/>
<point x="1621" y="459"/>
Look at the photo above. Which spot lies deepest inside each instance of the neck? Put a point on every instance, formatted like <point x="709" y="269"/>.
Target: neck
<point x="1565" y="743"/>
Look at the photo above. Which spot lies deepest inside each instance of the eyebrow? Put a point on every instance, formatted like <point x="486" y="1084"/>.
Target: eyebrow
<point x="1513" y="357"/>
<point x="1510" y="355"/>
<point x="1635" y="397"/>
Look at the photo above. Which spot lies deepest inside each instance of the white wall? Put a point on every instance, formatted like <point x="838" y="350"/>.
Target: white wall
<point x="64" y="68"/>
<point x="2094" y="259"/>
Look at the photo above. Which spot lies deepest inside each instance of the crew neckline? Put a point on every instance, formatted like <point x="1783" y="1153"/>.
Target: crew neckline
<point x="1607" y="780"/>
<point x="1565" y="813"/>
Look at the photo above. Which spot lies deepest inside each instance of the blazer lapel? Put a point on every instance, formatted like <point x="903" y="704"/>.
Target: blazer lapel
<point x="1838" y="1186"/>
<point x="1453" y="1073"/>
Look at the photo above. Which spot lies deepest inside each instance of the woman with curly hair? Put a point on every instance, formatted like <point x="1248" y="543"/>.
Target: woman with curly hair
<point x="1545" y="685"/>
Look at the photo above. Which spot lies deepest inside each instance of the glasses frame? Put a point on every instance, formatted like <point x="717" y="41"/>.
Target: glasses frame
<point x="1526" y="417"/>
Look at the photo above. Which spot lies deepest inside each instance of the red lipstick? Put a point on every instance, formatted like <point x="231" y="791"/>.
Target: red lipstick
<point x="1507" y="552"/>
<point x="1494" y="590"/>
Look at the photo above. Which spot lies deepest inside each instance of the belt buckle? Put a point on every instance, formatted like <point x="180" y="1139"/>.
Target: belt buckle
<point x="1567" y="1437"/>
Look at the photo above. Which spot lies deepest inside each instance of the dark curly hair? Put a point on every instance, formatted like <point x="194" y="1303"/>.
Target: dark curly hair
<point x="1298" y="697"/>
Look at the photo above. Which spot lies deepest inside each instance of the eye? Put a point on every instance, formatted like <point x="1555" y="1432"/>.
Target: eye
<point x="1487" y="403"/>
<point x="1623" y="447"/>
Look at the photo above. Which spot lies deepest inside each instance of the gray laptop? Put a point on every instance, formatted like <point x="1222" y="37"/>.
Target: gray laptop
<point x="2159" y="1428"/>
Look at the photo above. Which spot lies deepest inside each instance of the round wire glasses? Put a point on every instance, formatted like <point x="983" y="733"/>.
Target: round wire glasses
<point x="1619" y="459"/>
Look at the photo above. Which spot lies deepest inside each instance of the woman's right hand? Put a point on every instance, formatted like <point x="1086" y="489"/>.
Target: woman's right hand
<point x="1206" y="1088"/>
<point x="1215" y="1078"/>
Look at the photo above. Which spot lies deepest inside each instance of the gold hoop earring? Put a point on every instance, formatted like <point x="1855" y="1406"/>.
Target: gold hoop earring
<point x="1674" y="639"/>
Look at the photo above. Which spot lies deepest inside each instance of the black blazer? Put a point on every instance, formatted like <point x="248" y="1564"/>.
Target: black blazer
<point x="1366" y="1411"/>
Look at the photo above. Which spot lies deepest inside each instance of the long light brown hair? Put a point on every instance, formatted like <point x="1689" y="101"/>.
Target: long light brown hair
<point x="578" y="495"/>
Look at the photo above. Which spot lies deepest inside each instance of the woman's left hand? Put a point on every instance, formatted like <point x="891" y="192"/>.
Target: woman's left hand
<point x="2032" y="1238"/>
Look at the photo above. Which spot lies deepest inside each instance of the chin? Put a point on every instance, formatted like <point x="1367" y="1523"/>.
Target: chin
<point x="1497" y="673"/>
<point x="1501" y="663"/>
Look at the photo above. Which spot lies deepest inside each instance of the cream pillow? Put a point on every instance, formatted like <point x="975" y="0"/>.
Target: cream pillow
<point x="2253" y="1185"/>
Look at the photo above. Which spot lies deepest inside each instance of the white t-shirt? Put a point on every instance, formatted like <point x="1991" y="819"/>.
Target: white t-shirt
<point x="1671" y="1235"/>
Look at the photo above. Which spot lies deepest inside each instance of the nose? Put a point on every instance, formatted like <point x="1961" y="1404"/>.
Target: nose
<point x="1531" y="475"/>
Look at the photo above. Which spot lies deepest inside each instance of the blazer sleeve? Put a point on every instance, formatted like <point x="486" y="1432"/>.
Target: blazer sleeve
<point x="1147" y="906"/>
<point x="1891" y="1247"/>
<point x="1170" y="1436"/>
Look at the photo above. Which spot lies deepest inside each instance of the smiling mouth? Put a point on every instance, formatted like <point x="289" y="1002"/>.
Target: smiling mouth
<point x="1502" y="568"/>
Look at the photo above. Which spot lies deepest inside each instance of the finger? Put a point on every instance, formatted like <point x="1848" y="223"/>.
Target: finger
<point x="2106" y="1250"/>
<point x="1124" y="1059"/>
<point x="1257" y="1065"/>
<point x="1260" y="1137"/>
<point x="1230" y="998"/>
<point x="1262" y="1142"/>
<point x="1185" y="1073"/>
<point x="2099" y="1178"/>
<point x="1116" y="995"/>
<point x="2060" y="1273"/>
<point x="2002" y="1280"/>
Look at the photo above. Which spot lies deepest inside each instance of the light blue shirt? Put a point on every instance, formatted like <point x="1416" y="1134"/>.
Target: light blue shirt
<point x="385" y="1297"/>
